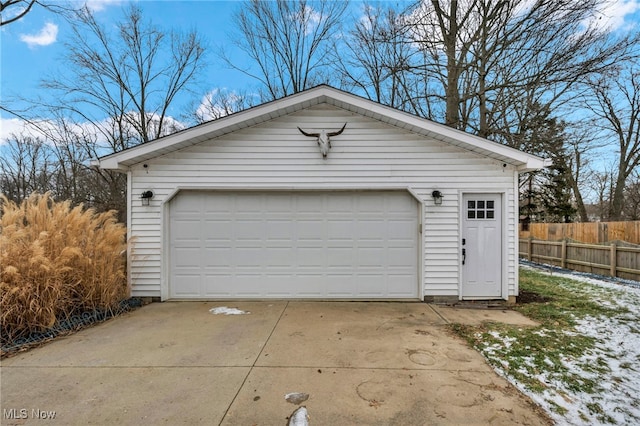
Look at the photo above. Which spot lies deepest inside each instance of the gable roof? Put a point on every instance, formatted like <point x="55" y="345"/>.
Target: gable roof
<point x="319" y="95"/>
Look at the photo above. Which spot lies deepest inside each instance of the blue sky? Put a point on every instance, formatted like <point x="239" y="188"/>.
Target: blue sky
<point x="32" y="47"/>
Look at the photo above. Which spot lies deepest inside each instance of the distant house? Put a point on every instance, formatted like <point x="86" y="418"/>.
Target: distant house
<point x="247" y="206"/>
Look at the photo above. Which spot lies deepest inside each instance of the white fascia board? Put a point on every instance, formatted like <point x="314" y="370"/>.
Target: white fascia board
<point x="535" y="163"/>
<point x="194" y="135"/>
<point x="477" y="144"/>
<point x="522" y="160"/>
<point x="321" y="94"/>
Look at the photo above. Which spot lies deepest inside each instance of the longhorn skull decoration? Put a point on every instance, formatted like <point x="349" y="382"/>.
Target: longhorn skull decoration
<point x="323" y="139"/>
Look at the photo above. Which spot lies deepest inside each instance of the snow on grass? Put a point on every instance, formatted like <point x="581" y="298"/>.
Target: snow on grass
<point x="598" y="385"/>
<point x="223" y="310"/>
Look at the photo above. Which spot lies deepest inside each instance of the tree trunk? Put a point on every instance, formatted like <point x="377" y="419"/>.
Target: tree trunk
<point x="617" y="199"/>
<point x="452" y="117"/>
<point x="580" y="207"/>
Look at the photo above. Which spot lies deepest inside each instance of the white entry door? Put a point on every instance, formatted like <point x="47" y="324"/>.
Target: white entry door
<point x="482" y="246"/>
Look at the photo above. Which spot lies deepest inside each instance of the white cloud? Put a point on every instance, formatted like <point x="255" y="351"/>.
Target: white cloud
<point x="98" y="5"/>
<point x="616" y="15"/>
<point x="221" y="102"/>
<point x="50" y="131"/>
<point x="16" y="126"/>
<point x="47" y="35"/>
<point x="9" y="126"/>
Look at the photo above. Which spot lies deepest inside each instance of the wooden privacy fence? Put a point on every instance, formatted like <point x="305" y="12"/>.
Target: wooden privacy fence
<point x="612" y="259"/>
<point x="589" y="232"/>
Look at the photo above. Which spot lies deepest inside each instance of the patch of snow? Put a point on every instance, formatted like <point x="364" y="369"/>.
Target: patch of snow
<point x="296" y="397"/>
<point x="613" y="364"/>
<point x="223" y="310"/>
<point x="299" y="417"/>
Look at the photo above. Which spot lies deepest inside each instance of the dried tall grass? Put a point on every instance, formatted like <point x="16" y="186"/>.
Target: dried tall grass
<point x="55" y="262"/>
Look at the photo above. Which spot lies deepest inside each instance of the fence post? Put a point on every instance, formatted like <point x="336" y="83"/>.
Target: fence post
<point x="613" y="261"/>
<point x="563" y="254"/>
<point x="529" y="244"/>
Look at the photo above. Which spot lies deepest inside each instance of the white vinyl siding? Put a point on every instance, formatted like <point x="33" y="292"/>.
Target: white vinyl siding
<point x="369" y="155"/>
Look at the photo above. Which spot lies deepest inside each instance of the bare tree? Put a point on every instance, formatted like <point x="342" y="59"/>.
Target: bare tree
<point x="289" y="42"/>
<point x="580" y="144"/>
<point x="219" y="103"/>
<point x="121" y="82"/>
<point x="632" y="198"/>
<point x="14" y="10"/>
<point x="500" y="67"/>
<point x="615" y="102"/>
<point x="25" y="167"/>
<point x="377" y="58"/>
<point x="602" y="185"/>
<point x="487" y="54"/>
<point x="124" y="83"/>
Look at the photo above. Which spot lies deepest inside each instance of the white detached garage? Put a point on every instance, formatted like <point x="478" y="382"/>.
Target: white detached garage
<point x="248" y="206"/>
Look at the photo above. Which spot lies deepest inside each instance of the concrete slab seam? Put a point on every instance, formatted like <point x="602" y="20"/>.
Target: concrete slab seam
<point x="439" y="314"/>
<point x="254" y="364"/>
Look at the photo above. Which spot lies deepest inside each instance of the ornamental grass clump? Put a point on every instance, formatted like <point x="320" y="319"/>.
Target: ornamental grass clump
<point x="55" y="262"/>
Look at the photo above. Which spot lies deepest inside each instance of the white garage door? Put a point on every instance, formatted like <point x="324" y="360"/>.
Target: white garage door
<point x="336" y="245"/>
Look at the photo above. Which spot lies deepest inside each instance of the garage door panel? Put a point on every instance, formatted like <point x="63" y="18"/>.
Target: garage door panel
<point x="216" y="229"/>
<point x="189" y="285"/>
<point x="310" y="257"/>
<point x="309" y="285"/>
<point x="339" y="203"/>
<point x="310" y="205"/>
<point x="402" y="285"/>
<point x="400" y="257"/>
<point x="187" y="228"/>
<point x="401" y="205"/>
<point x="347" y="245"/>
<point x="341" y="286"/>
<point x="279" y="257"/>
<point x="278" y="203"/>
<point x="193" y="208"/>
<point x="370" y="203"/>
<point x="217" y="285"/>
<point x="372" y="285"/>
<point x="247" y="204"/>
<point x="309" y="230"/>
<point x="187" y="257"/>
<point x="340" y="229"/>
<point x="218" y="204"/>
<point x="279" y="230"/>
<point x="340" y="257"/>
<point x="371" y="229"/>
<point x="401" y="228"/>
<point x="247" y="257"/>
<point x="369" y="257"/>
<point x="217" y="257"/>
<point x="248" y="229"/>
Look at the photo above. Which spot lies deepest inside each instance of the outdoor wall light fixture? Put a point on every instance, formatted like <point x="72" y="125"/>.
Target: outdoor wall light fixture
<point x="146" y="196"/>
<point x="437" y="197"/>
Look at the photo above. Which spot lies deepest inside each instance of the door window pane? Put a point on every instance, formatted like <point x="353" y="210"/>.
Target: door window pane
<point x="481" y="209"/>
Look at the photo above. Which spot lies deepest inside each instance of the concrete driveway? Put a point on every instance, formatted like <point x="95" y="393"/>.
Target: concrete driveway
<point x="177" y="363"/>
